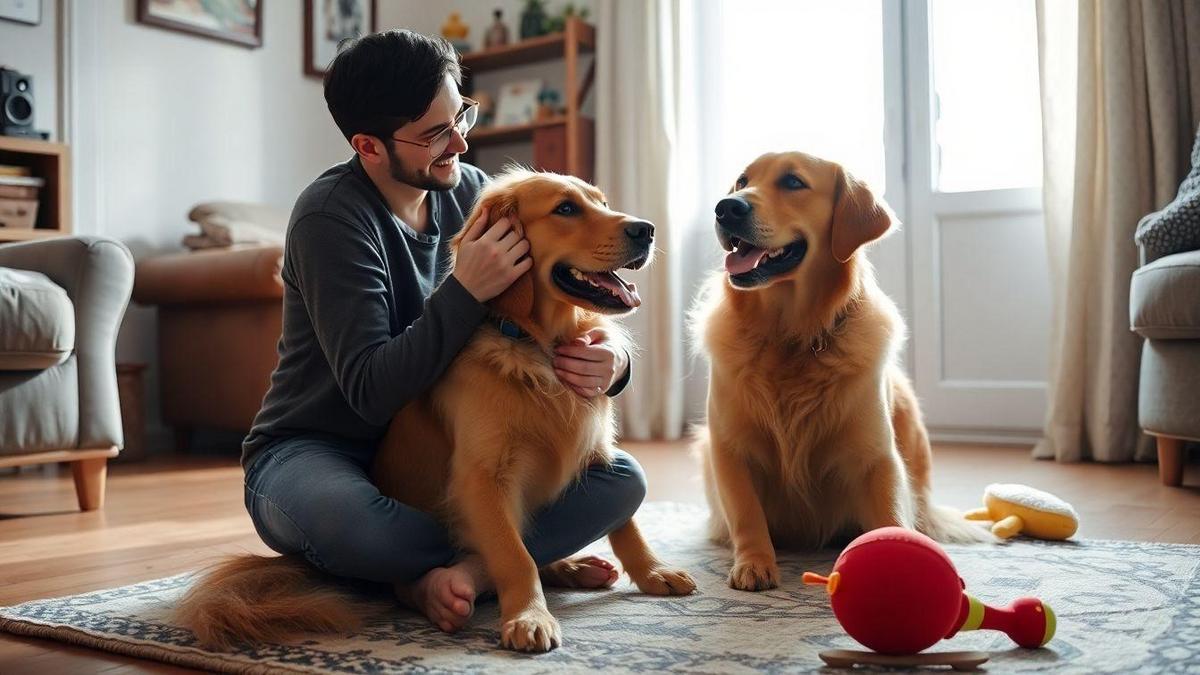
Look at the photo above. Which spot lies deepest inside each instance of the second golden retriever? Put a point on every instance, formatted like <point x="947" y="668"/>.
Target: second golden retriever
<point x="813" y="428"/>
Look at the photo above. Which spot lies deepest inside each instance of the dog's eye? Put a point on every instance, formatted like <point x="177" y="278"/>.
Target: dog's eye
<point x="567" y="208"/>
<point x="791" y="181"/>
<point x="742" y="181"/>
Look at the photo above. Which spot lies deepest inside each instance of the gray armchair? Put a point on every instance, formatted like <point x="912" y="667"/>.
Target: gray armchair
<point x="61" y="304"/>
<point x="1164" y="308"/>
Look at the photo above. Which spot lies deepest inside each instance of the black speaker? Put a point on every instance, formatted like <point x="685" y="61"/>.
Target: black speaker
<point x="16" y="105"/>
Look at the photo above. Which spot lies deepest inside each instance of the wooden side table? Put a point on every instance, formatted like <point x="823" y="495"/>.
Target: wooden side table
<point x="131" y="392"/>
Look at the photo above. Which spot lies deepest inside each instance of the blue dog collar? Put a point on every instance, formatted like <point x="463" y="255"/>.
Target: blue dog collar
<point x="510" y="329"/>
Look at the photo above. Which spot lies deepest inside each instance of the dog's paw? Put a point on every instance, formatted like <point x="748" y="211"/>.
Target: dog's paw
<point x="754" y="574"/>
<point x="663" y="580"/>
<point x="532" y="630"/>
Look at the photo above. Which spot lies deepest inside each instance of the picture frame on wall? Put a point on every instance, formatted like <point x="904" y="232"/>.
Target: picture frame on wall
<point x="235" y="21"/>
<point x="21" y="11"/>
<point x="328" y="23"/>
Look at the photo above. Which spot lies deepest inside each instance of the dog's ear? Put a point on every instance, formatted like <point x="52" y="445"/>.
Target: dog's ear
<point x="516" y="302"/>
<point x="499" y="203"/>
<point x="858" y="217"/>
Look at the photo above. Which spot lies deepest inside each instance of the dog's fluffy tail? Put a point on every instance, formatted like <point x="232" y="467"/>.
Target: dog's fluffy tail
<point x="252" y="598"/>
<point x="948" y="526"/>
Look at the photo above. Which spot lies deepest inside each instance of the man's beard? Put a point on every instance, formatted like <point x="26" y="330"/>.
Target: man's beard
<point x="419" y="178"/>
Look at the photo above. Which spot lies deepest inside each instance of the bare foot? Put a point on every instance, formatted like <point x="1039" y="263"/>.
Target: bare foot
<point x="446" y="595"/>
<point x="587" y="571"/>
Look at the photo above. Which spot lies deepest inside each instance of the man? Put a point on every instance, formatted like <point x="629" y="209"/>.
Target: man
<point x="372" y="317"/>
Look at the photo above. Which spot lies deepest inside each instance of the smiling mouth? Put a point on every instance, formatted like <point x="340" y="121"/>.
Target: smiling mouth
<point x="447" y="161"/>
<point x="749" y="265"/>
<point x="604" y="289"/>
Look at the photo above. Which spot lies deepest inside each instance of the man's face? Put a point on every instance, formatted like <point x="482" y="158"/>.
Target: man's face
<point x="413" y="164"/>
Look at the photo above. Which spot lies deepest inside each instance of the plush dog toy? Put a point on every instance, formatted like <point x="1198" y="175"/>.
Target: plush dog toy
<point x="1019" y="509"/>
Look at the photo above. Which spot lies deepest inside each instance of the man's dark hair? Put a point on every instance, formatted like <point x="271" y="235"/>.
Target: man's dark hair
<point x="380" y="82"/>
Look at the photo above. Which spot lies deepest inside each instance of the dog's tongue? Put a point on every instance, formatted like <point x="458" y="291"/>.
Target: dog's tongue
<point x="627" y="293"/>
<point x="744" y="259"/>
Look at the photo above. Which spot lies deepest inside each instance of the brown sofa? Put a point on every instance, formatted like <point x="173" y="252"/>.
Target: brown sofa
<point x="219" y="319"/>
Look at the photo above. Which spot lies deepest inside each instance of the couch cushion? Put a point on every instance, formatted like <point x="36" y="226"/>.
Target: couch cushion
<point x="37" y="321"/>
<point x="1164" y="298"/>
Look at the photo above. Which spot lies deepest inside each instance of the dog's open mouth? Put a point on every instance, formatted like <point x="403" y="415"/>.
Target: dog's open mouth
<point x="605" y="289"/>
<point x="749" y="265"/>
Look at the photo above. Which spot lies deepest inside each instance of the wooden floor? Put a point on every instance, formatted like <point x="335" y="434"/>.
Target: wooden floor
<point x="171" y="515"/>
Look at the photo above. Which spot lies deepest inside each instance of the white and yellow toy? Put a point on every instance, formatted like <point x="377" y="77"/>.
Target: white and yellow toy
<point x="1019" y="509"/>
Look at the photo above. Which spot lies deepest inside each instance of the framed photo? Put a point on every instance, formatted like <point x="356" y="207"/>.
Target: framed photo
<point x="22" y="11"/>
<point x="236" y="21"/>
<point x="517" y="103"/>
<point x="327" y="23"/>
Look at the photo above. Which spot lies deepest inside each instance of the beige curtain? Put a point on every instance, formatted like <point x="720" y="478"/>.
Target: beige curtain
<point x="638" y="165"/>
<point x="1121" y="101"/>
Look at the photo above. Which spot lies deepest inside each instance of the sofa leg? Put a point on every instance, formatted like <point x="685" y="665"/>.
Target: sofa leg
<point x="1170" y="460"/>
<point x="89" y="482"/>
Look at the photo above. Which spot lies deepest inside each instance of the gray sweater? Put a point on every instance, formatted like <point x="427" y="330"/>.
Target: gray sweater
<point x="371" y="317"/>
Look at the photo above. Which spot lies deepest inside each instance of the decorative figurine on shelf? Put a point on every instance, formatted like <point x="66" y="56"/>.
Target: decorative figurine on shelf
<point x="497" y="33"/>
<point x="456" y="32"/>
<point x="487" y="108"/>
<point x="548" y="104"/>
<point x="533" y="19"/>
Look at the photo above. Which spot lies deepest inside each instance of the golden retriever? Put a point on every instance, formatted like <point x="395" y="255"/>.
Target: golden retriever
<point x="497" y="437"/>
<point x="813" y="429"/>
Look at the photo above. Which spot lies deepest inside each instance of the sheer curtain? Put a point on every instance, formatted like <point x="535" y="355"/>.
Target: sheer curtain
<point x="641" y="164"/>
<point x="1120" y="105"/>
<point x="687" y="93"/>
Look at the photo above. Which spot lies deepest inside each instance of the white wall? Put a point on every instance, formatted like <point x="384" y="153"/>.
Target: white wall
<point x="162" y="120"/>
<point x="33" y="50"/>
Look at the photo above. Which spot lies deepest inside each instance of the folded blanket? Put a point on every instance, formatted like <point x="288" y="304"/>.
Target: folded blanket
<point x="225" y="224"/>
<point x="1176" y="228"/>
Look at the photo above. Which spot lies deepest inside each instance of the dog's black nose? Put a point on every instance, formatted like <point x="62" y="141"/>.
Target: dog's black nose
<point x="639" y="230"/>
<point x="732" y="210"/>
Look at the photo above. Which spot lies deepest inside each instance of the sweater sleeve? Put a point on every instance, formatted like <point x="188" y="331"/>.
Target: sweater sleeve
<point x="619" y="386"/>
<point x="341" y="275"/>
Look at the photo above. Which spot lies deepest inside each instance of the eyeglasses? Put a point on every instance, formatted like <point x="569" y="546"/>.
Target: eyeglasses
<point x="463" y="122"/>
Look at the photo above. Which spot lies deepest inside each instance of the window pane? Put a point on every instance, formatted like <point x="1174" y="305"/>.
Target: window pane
<point x="803" y="75"/>
<point x="988" y="112"/>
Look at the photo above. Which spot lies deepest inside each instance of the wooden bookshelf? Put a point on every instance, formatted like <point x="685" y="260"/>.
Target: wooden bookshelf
<point x="564" y="143"/>
<point x="52" y="163"/>
<point x="533" y="50"/>
<point x="484" y="136"/>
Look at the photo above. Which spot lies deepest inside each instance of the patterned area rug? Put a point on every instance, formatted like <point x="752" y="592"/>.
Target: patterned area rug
<point x="1122" y="607"/>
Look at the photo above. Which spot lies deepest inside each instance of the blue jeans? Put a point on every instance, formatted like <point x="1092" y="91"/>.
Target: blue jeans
<point x="314" y="496"/>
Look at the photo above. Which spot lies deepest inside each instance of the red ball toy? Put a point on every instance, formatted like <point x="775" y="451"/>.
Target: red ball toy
<point x="897" y="592"/>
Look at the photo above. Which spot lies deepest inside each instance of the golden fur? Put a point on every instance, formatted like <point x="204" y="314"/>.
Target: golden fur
<point x="497" y="437"/>
<point x="813" y="429"/>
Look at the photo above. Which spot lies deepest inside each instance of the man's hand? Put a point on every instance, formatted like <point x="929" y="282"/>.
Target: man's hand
<point x="589" y="364"/>
<point x="488" y="262"/>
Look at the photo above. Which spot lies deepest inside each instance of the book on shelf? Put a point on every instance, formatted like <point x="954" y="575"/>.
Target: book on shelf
<point x="18" y="192"/>
<point x="23" y="181"/>
<point x="12" y="170"/>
